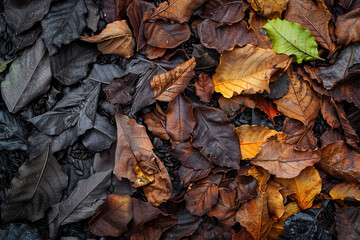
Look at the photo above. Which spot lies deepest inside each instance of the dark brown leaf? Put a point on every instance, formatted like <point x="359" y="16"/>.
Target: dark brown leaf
<point x="231" y="106"/>
<point x="348" y="223"/>
<point x="348" y="91"/>
<point x="204" y="87"/>
<point x="228" y="12"/>
<point x="115" y="9"/>
<point x="298" y="134"/>
<point x="329" y="113"/>
<point x="155" y="122"/>
<point x="246" y="188"/>
<point x="120" y="90"/>
<point x="330" y="136"/>
<point x="189" y="175"/>
<point x="257" y="22"/>
<point x="347" y="27"/>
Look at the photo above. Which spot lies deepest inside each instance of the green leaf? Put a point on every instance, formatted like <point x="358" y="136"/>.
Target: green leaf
<point x="3" y="64"/>
<point x="292" y="39"/>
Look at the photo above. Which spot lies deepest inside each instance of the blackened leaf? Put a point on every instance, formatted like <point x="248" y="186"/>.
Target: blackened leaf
<point x="13" y="135"/>
<point x="278" y="88"/>
<point x="65" y="139"/>
<point x="215" y="136"/>
<point x="348" y="223"/>
<point x="26" y="38"/>
<point x="29" y="77"/>
<point x="2" y="24"/>
<point x="101" y="135"/>
<point x="70" y="64"/>
<point x="93" y="15"/>
<point x="64" y="23"/>
<point x="17" y="231"/>
<point x="104" y="73"/>
<point x="39" y="184"/>
<point x="22" y="15"/>
<point x="121" y="89"/>
<point x="89" y="194"/>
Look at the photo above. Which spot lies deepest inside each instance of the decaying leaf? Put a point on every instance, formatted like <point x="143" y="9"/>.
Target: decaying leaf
<point x="329" y="113"/>
<point x="267" y="106"/>
<point x="275" y="200"/>
<point x="247" y="69"/>
<point x="348" y="223"/>
<point x="306" y="186"/>
<point x="252" y="137"/>
<point x="155" y="122"/>
<point x="246" y="188"/>
<point x="116" y="38"/>
<point x="257" y="22"/>
<point x="346" y="191"/>
<point x="270" y="9"/>
<point x="13" y="132"/>
<point x="282" y="160"/>
<point x="298" y="134"/>
<point x="166" y="86"/>
<point x="231" y="106"/>
<point x="120" y="90"/>
<point x="228" y="12"/>
<point x="204" y="87"/>
<point x="347" y="27"/>
<point x="261" y="175"/>
<point x="115" y="9"/>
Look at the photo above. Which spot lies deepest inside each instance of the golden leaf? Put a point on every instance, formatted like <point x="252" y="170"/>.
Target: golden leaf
<point x="346" y="191"/>
<point x="269" y="8"/>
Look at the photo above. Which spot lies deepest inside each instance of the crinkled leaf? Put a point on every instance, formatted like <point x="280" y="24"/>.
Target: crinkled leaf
<point x="13" y="134"/>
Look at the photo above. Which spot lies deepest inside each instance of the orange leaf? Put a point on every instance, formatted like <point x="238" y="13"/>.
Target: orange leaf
<point x="270" y="9"/>
<point x="275" y="200"/>
<point x="247" y="70"/>
<point x="166" y="86"/>
<point x="346" y="191"/>
<point x="204" y="87"/>
<point x="116" y="38"/>
<point x="306" y="186"/>
<point x="267" y="107"/>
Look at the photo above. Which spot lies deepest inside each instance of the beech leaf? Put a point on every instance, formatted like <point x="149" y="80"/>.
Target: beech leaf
<point x="204" y="87"/>
<point x="346" y="191"/>
<point x="347" y="27"/>
<point x="228" y="12"/>
<point x="270" y="9"/>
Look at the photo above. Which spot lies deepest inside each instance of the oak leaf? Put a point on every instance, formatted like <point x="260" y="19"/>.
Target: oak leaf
<point x="247" y="69"/>
<point x="306" y="185"/>
<point x="270" y="9"/>
<point x="346" y="191"/>
<point x="204" y="87"/>
<point x="116" y="38"/>
<point x="282" y="160"/>
<point x="166" y="86"/>
<point x="347" y="27"/>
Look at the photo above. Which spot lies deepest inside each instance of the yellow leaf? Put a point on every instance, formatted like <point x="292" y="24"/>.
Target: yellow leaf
<point x="346" y="191"/>
<point x="275" y="200"/>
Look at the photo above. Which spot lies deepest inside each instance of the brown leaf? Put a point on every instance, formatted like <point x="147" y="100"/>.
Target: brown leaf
<point x="347" y="27"/>
<point x="300" y="102"/>
<point x="142" y="212"/>
<point x="247" y="70"/>
<point x="223" y="37"/>
<point x="330" y="136"/>
<point x="162" y="34"/>
<point x="202" y="195"/>
<point x="254" y="216"/>
<point x="298" y="134"/>
<point x="315" y="17"/>
<point x="252" y="137"/>
<point x="282" y="160"/>
<point x="115" y="9"/>
<point x="346" y="191"/>
<point x="228" y="12"/>
<point x="329" y="113"/>
<point x="120" y="90"/>
<point x="204" y="87"/>
<point x="257" y="22"/>
<point x="154" y="52"/>
<point x="231" y="106"/>
<point x="270" y="9"/>
<point x="116" y="38"/>
<point x="275" y="200"/>
<point x="267" y="106"/>
<point x="189" y="175"/>
<point x="166" y="86"/>
<point x="242" y="235"/>
<point x="246" y="188"/>
<point x="208" y="229"/>
<point x="112" y="217"/>
<point x="215" y="136"/>
<point x="180" y="120"/>
<point x="261" y="175"/>
<point x="348" y="91"/>
<point x="155" y="122"/>
<point x="340" y="161"/>
<point x="306" y="186"/>
<point x="348" y="223"/>
<point x="226" y="208"/>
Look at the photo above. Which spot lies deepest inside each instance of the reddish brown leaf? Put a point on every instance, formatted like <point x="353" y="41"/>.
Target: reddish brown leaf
<point x="142" y="212"/>
<point x="330" y="136"/>
<point x="246" y="188"/>
<point x="202" y="195"/>
<point x="228" y="12"/>
<point x="166" y="86"/>
<point x="242" y="235"/>
<point x="267" y="106"/>
<point x="350" y="4"/>
<point x="329" y="113"/>
<point x="340" y="161"/>
<point x="348" y="223"/>
<point x="204" y="87"/>
<point x="257" y="22"/>
<point x="189" y="175"/>
<point x="155" y="122"/>
<point x="180" y="120"/>
<point x="120" y="90"/>
<point x="348" y="91"/>
<point x="298" y="134"/>
<point x="154" y="52"/>
<point x="282" y="160"/>
<point x="210" y="230"/>
<point x="231" y="106"/>
<point x="224" y="37"/>
<point x="347" y="27"/>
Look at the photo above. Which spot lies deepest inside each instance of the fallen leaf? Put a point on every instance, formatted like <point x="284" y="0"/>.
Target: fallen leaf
<point x="116" y="38"/>
<point x="13" y="134"/>
<point x="155" y="122"/>
<point x="242" y="235"/>
<point x="278" y="88"/>
<point x="292" y="39"/>
<point x="224" y="37"/>
<point x="246" y="188"/>
<point x="298" y="134"/>
<point x="210" y="230"/>
<point x="189" y="175"/>
<point x="282" y="160"/>
<point x="204" y="87"/>
<point x="270" y="9"/>
<point x="348" y="223"/>
<point x="231" y="106"/>
<point x="275" y="200"/>
<point x="330" y="136"/>
<point x="347" y="27"/>
<point x="306" y="186"/>
<point x="261" y="175"/>
<point x="104" y="73"/>
<point x="202" y="195"/>
<point x="215" y="136"/>
<point x="350" y="4"/>
<point x="329" y="112"/>
<point x="154" y="52"/>
<point x="180" y="120"/>
<point x="115" y="9"/>
<point x="228" y="12"/>
<point x="112" y="217"/>
<point x="252" y="137"/>
<point x="348" y="91"/>
<point x="340" y="161"/>
<point x="166" y="86"/>
<point x="93" y="15"/>
<point x="254" y="216"/>
<point x="300" y="102"/>
<point x="257" y="22"/>
<point x="267" y="107"/>
<point x="142" y="212"/>
<point x="120" y="90"/>
<point x="26" y="38"/>
<point x="346" y="191"/>
<point x="247" y="69"/>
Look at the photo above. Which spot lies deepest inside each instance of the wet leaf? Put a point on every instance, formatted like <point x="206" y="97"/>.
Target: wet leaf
<point x="292" y="39"/>
<point x="112" y="217"/>
<point x="224" y="37"/>
<point x="39" y="184"/>
<point x="204" y="87"/>
<point x="254" y="216"/>
<point x="104" y="73"/>
<point x="270" y="9"/>
<point x="228" y="12"/>
<point x="298" y="134"/>
<point x="215" y="135"/>
<point x="116" y="38"/>
<point x="93" y="16"/>
<point x="180" y="120"/>
<point x="120" y="90"/>
<point x="70" y="64"/>
<point x="252" y="137"/>
<point x="300" y="102"/>
<point x="63" y="24"/>
<point x="347" y="223"/>
<point x="340" y="161"/>
<point x="246" y="188"/>
<point x="247" y="70"/>
<point x="17" y="231"/>
<point x="347" y="27"/>
<point x="306" y="186"/>
<point x="282" y="160"/>
<point x="28" y="78"/>
<point x="275" y="200"/>
<point x="346" y="191"/>
<point x="13" y="134"/>
<point x="155" y="122"/>
<point x="231" y="106"/>
<point x="348" y="91"/>
<point x="166" y="86"/>
<point x="88" y="195"/>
